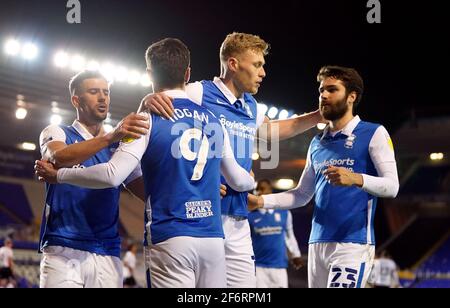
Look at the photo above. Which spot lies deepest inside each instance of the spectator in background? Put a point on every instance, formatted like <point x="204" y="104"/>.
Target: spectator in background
<point x="274" y="243"/>
<point x="384" y="272"/>
<point x="7" y="265"/>
<point x="129" y="266"/>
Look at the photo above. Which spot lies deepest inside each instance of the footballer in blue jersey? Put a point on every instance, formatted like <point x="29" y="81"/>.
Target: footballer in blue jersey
<point x="81" y="225"/>
<point x="349" y="165"/>
<point x="274" y="243"/>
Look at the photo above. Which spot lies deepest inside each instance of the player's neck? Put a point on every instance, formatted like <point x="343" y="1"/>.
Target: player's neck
<point x="95" y="129"/>
<point x="231" y="85"/>
<point x="339" y="124"/>
<point x="159" y="89"/>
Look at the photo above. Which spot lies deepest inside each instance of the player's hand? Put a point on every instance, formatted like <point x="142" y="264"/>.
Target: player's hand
<point x="340" y="176"/>
<point x="45" y="172"/>
<point x="255" y="202"/>
<point x="223" y="191"/>
<point x="298" y="263"/>
<point x="158" y="103"/>
<point x="133" y="126"/>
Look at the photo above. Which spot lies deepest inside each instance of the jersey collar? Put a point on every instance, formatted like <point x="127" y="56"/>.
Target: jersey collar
<point x="82" y="130"/>
<point x="225" y="91"/>
<point x="176" y="93"/>
<point x="347" y="130"/>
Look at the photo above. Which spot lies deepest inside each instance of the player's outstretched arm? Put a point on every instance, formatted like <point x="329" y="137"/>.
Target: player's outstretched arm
<point x="113" y="173"/>
<point x="288" y="128"/>
<point x="110" y="174"/>
<point x="63" y="155"/>
<point x="297" y="197"/>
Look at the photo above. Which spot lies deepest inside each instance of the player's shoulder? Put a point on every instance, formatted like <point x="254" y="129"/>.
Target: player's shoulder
<point x="368" y="126"/>
<point x="52" y="132"/>
<point x="205" y="82"/>
<point x="194" y="86"/>
<point x="375" y="130"/>
<point x="52" y="128"/>
<point x="187" y="103"/>
<point x="317" y="137"/>
<point x="208" y="86"/>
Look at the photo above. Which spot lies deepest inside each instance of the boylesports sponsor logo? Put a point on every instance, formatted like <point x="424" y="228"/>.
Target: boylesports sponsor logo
<point x="346" y="163"/>
<point x="238" y="128"/>
<point x="268" y="230"/>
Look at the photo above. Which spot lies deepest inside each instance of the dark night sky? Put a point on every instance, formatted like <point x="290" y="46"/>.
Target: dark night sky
<point x="400" y="59"/>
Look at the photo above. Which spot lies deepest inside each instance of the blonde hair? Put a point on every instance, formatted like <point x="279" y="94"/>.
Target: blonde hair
<point x="237" y="43"/>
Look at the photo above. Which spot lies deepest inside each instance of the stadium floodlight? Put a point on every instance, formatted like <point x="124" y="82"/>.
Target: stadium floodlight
<point x="272" y="113"/>
<point x="108" y="70"/>
<point x="255" y="156"/>
<point x="134" y="77"/>
<point x="437" y="156"/>
<point x="283" y="115"/>
<point x="21" y="113"/>
<point x="321" y="126"/>
<point x="121" y="74"/>
<point x="77" y="63"/>
<point x="28" y="146"/>
<point x="12" y="47"/>
<point x="284" y="184"/>
<point x="29" y="51"/>
<point x="263" y="107"/>
<point x="108" y="128"/>
<point x="55" y="119"/>
<point x="145" y="81"/>
<point x="61" y="59"/>
<point x="93" y="65"/>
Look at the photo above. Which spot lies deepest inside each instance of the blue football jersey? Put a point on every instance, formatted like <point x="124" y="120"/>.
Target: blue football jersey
<point x="81" y="218"/>
<point x="240" y="123"/>
<point x="181" y="170"/>
<point x="268" y="237"/>
<point x="343" y="214"/>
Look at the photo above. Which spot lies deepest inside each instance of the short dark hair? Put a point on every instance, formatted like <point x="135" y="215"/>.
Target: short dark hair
<point x="168" y="59"/>
<point x="258" y="185"/>
<point x="77" y="80"/>
<point x="350" y="78"/>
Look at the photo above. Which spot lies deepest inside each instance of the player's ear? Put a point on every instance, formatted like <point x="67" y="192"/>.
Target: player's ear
<point x="233" y="64"/>
<point x="352" y="97"/>
<point x="75" y="101"/>
<point x="187" y="75"/>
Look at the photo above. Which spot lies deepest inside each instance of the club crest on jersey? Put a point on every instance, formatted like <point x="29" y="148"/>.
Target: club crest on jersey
<point x="277" y="217"/>
<point x="350" y="141"/>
